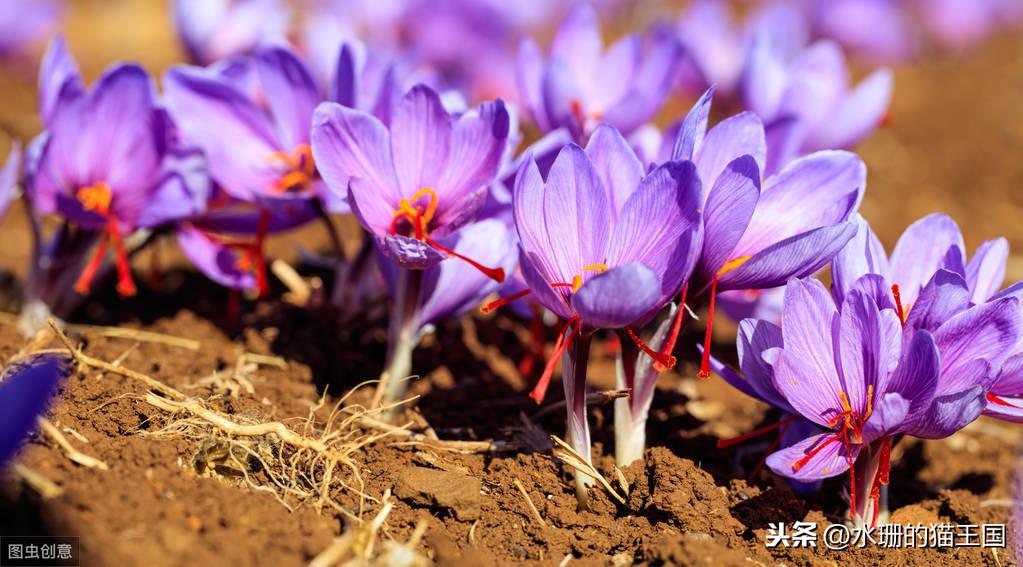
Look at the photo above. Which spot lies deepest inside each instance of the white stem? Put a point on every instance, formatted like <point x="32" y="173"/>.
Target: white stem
<point x="403" y="337"/>
<point x="866" y="467"/>
<point x="573" y="378"/>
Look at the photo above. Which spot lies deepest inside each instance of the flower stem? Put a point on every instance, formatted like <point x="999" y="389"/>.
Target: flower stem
<point x="871" y="494"/>
<point x="574" y="380"/>
<point x="403" y="336"/>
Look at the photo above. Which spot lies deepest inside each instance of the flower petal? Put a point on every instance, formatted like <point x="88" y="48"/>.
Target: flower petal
<point x="944" y="297"/>
<point x="693" y="128"/>
<point x="733" y="137"/>
<point x="291" y="92"/>
<point x="949" y="413"/>
<point x="986" y="270"/>
<point x="831" y="458"/>
<point x="217" y="262"/>
<point x="858" y="114"/>
<point x="420" y="138"/>
<point x="920" y="252"/>
<point x="619" y="297"/>
<point x="862" y="255"/>
<point x="795" y="257"/>
<point x="617" y="165"/>
<point x="986" y="332"/>
<point x="25" y="392"/>
<point x="727" y="212"/>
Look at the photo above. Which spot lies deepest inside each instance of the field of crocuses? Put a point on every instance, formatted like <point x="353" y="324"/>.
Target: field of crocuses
<point x="474" y="282"/>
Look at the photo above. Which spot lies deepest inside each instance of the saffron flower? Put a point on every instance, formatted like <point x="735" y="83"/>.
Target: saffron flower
<point x="260" y="158"/>
<point x="581" y="85"/>
<point x="759" y="235"/>
<point x="806" y="102"/>
<point x="715" y="43"/>
<point x="25" y="392"/>
<point x="417" y="179"/>
<point x="605" y="245"/>
<point x="849" y="371"/>
<point x="22" y="24"/>
<point x="931" y="284"/>
<point x="878" y="31"/>
<point x="211" y="30"/>
<point x="107" y="161"/>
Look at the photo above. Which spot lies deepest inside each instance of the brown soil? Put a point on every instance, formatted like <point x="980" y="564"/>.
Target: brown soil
<point x="169" y="500"/>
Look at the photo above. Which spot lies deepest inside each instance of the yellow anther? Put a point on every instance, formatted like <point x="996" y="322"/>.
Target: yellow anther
<point x="577" y="282"/>
<point x="845" y="402"/>
<point x="732" y="264"/>
<point x="300" y="165"/>
<point x="599" y="268"/>
<point x="96" y="197"/>
<point x="431" y="207"/>
<point x="870" y="402"/>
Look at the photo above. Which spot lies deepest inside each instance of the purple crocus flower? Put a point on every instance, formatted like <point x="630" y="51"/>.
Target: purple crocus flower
<point x="959" y="24"/>
<point x="107" y="161"/>
<point x="9" y="178"/>
<point x="806" y="102"/>
<point x="417" y="179"/>
<point x="24" y="23"/>
<point x="212" y="30"/>
<point x="757" y="234"/>
<point x="850" y="371"/>
<point x="715" y="43"/>
<point x="875" y="30"/>
<point x="932" y="285"/>
<point x="581" y="84"/>
<point x="25" y="392"/>
<point x="604" y="245"/>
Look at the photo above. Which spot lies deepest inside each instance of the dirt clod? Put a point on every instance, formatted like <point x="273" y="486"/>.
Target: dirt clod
<point x="456" y="493"/>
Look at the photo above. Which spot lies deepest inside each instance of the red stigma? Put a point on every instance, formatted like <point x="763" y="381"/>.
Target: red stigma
<point x="568" y="332"/>
<point x="97" y="199"/>
<point x="705" y="360"/>
<point x="498" y="303"/>
<point x="898" y="304"/>
<point x="724" y="443"/>
<point x="1000" y="401"/>
<point x="669" y="345"/>
<point x="660" y="358"/>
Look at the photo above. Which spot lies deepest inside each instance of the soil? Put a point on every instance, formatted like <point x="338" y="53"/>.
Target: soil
<point x="171" y="497"/>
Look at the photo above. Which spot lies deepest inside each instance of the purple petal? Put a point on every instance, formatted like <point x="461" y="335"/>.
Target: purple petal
<point x="818" y="78"/>
<point x="733" y="137"/>
<point x="920" y="251"/>
<point x="784" y="137"/>
<point x="949" y="413"/>
<point x="819" y="190"/>
<point x="344" y="87"/>
<point x="350" y="144"/>
<point x="453" y="287"/>
<point x="25" y="393"/>
<point x="858" y="114"/>
<point x="986" y="332"/>
<point x="660" y="226"/>
<point x="944" y="297"/>
<point x="545" y="295"/>
<point x="796" y="257"/>
<point x="727" y="212"/>
<point x="764" y="79"/>
<point x="619" y="297"/>
<point x="831" y="460"/>
<point x="617" y="165"/>
<point x="864" y="362"/>
<point x="56" y="69"/>
<point x="754" y="338"/>
<point x="861" y="256"/>
<point x="531" y="227"/>
<point x="478" y="142"/>
<point x="1010" y="378"/>
<point x="806" y="372"/>
<point x="916" y="377"/>
<point x="420" y="138"/>
<point x="693" y="128"/>
<point x="529" y="73"/>
<point x="217" y="262"/>
<point x="291" y="93"/>
<point x="986" y="270"/>
<point x="236" y="135"/>
<point x="409" y="252"/>
<point x="617" y="66"/>
<point x="182" y="192"/>
<point x="888" y="416"/>
<point x="579" y="44"/>
<point x="561" y="94"/>
<point x="9" y="178"/>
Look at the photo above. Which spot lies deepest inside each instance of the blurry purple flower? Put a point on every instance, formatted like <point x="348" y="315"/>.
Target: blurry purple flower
<point x="107" y="160"/>
<point x="417" y="179"/>
<point x="25" y="23"/>
<point x="581" y="84"/>
<point x="959" y="24"/>
<point x="9" y="178"/>
<point x="715" y="43"/>
<point x="806" y="102"/>
<point x="212" y="30"/>
<point x="875" y="30"/>
<point x="25" y="392"/>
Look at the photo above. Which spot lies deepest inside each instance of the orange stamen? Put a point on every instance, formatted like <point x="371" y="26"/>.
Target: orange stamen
<point x="302" y="168"/>
<point x="84" y="281"/>
<point x="96" y="197"/>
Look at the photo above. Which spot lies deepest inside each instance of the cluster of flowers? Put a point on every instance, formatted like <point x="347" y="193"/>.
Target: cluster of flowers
<point x="604" y="220"/>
